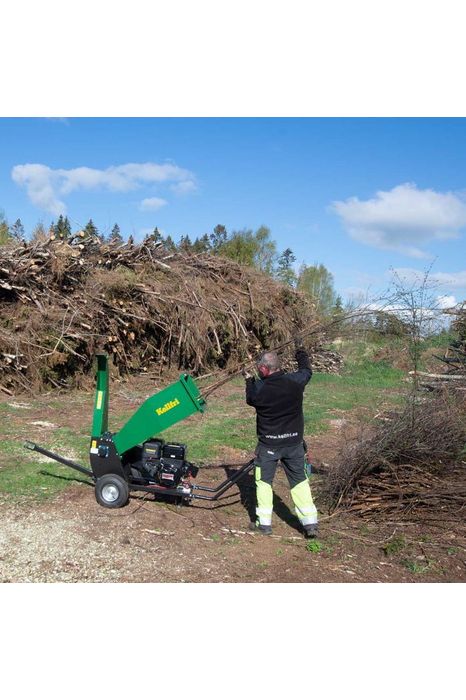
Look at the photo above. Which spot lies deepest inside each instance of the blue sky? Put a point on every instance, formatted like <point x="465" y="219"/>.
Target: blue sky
<point x="359" y="195"/>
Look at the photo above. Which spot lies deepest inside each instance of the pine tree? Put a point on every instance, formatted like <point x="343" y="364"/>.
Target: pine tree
<point x="67" y="228"/>
<point x="17" y="231"/>
<point x="169" y="243"/>
<point x="338" y="306"/>
<point x="285" y="272"/>
<point x="185" y="244"/>
<point x="90" y="229"/>
<point x="201" y="245"/>
<point x="156" y="236"/>
<point x="58" y="227"/>
<point x="115" y="235"/>
<point x="205" y="240"/>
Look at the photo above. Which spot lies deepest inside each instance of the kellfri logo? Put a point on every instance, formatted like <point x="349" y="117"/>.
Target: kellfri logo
<point x="168" y="407"/>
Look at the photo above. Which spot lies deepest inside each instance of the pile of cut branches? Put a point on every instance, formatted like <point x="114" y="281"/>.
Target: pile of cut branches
<point x="410" y="461"/>
<point x="148" y="308"/>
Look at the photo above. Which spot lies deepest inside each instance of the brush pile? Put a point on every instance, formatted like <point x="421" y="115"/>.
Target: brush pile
<point x="149" y="309"/>
<point x="454" y="357"/>
<point x="410" y="461"/>
<point x="327" y="361"/>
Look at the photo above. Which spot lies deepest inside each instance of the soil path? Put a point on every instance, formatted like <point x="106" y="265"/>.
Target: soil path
<point x="70" y="538"/>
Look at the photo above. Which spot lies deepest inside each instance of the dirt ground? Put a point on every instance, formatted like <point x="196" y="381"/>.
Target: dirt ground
<point x="70" y="538"/>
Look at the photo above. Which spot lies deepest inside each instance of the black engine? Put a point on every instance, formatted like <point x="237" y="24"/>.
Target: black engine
<point x="166" y="464"/>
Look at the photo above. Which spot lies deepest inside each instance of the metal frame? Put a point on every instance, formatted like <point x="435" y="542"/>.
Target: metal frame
<point x="155" y="488"/>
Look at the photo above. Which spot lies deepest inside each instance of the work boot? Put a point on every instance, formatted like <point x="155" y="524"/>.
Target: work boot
<point x="261" y="529"/>
<point x="311" y="531"/>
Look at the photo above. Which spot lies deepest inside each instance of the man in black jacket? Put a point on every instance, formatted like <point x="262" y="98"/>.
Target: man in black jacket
<point x="278" y="399"/>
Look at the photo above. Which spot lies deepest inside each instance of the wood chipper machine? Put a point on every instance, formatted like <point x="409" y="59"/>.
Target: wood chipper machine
<point x="135" y="458"/>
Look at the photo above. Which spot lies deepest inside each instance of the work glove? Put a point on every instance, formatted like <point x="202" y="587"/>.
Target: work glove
<point x="246" y="373"/>
<point x="298" y="342"/>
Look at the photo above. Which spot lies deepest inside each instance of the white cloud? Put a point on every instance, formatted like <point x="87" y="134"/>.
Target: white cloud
<point x="152" y="203"/>
<point x="446" y="301"/>
<point x="403" y="219"/>
<point x="453" y="280"/>
<point x="46" y="187"/>
<point x="184" y="187"/>
<point x="40" y="183"/>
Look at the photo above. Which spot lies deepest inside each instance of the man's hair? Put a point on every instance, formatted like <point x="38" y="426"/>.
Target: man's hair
<point x="270" y="360"/>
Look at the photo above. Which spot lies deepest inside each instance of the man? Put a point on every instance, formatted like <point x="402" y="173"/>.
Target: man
<point x="278" y="399"/>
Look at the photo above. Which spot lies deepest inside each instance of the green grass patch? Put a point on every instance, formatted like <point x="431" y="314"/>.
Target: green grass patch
<point x="314" y="546"/>
<point x="441" y="341"/>
<point x="416" y="567"/>
<point x="227" y="423"/>
<point x="27" y="473"/>
<point x="394" y="545"/>
<point x="361" y="385"/>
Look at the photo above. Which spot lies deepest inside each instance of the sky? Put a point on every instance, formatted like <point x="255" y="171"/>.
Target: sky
<point x="362" y="196"/>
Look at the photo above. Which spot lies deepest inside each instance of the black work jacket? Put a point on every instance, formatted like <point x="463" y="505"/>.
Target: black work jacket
<point x="278" y="400"/>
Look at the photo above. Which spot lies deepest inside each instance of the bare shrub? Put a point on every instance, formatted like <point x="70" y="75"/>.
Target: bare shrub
<point x="398" y="460"/>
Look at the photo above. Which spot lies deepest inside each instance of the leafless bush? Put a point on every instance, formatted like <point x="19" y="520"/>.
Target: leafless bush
<point x="404" y="456"/>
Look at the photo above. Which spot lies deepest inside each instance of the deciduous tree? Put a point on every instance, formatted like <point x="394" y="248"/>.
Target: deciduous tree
<point x="317" y="281"/>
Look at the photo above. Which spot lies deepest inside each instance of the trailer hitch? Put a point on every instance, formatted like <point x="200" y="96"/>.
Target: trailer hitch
<point x="68" y="462"/>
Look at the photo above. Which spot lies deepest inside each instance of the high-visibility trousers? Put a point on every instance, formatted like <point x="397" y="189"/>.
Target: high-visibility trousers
<point x="292" y="458"/>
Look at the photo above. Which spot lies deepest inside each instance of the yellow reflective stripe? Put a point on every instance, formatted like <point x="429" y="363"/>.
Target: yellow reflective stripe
<point x="301" y="495"/>
<point x="304" y="505"/>
<point x="264" y="495"/>
<point x="100" y="395"/>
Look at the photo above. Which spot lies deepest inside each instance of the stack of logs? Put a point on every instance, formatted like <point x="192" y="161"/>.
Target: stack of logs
<point x="327" y="361"/>
<point x="454" y="358"/>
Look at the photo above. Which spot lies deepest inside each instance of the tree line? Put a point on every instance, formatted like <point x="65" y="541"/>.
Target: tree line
<point x="246" y="247"/>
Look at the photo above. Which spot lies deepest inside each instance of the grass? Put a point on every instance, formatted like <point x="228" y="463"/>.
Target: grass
<point x="227" y="423"/>
<point x="415" y="567"/>
<point x="314" y="546"/>
<point x="395" y="545"/>
<point x="361" y="385"/>
<point x="22" y="474"/>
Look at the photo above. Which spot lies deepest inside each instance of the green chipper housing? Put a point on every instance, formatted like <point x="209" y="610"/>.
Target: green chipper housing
<point x="135" y="458"/>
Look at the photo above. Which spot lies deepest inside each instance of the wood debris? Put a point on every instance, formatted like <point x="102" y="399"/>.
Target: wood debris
<point x="149" y="309"/>
<point x="410" y="461"/>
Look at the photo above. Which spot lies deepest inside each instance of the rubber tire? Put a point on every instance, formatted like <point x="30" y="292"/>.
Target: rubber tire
<point x="118" y="483"/>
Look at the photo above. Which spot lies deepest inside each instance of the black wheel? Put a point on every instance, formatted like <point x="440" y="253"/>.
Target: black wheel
<point x="111" y="491"/>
